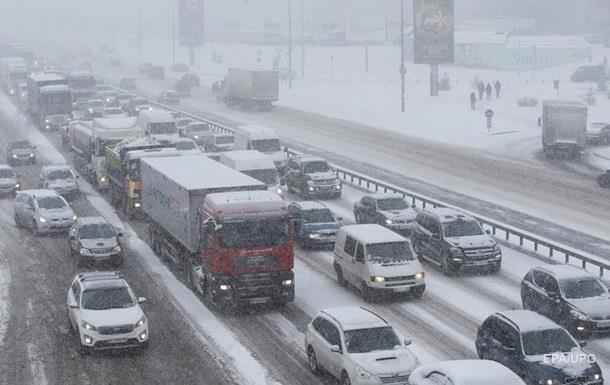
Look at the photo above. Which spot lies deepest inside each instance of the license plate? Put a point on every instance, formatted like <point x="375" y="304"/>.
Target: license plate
<point x="119" y="341"/>
<point x="256" y="301"/>
<point x="402" y="289"/>
<point x="479" y="263"/>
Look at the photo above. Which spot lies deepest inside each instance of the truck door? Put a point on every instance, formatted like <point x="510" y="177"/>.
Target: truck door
<point x="361" y="270"/>
<point x="349" y="249"/>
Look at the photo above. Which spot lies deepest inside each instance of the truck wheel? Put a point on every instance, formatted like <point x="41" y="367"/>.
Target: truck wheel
<point x="340" y="279"/>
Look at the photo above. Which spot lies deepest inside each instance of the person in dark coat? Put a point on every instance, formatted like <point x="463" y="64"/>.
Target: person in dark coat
<point x="473" y="100"/>
<point x="498" y="87"/>
<point x="481" y="87"/>
<point x="488" y="91"/>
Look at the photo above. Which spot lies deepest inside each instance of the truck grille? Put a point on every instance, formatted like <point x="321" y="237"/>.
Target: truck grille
<point x="478" y="253"/>
<point x="254" y="262"/>
<point x="102" y="251"/>
<point x="402" y="278"/>
<point x="257" y="286"/>
<point x="119" y="329"/>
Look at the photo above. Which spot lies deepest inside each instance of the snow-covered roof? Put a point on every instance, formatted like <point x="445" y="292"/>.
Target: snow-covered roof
<point x="5" y="167"/>
<point x="195" y="173"/>
<point x="54" y="88"/>
<point x="156" y="115"/>
<point x="566" y="271"/>
<point x="245" y="202"/>
<point x="447" y="214"/>
<point x="380" y="196"/>
<point x="92" y="220"/>
<point x="119" y="123"/>
<point x="353" y="317"/>
<point x="42" y="193"/>
<point x="79" y="74"/>
<point x="527" y="320"/>
<point x="472" y="372"/>
<point x="310" y="158"/>
<point x="57" y="167"/>
<point x="46" y="77"/>
<point x="246" y="160"/>
<point x="258" y="131"/>
<point x="154" y="153"/>
<point x="311" y="205"/>
<point x="372" y="233"/>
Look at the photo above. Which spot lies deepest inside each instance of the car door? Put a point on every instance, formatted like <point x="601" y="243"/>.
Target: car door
<point x="74" y="300"/>
<point x="360" y="267"/>
<point x="335" y="362"/>
<point x="297" y="220"/>
<point x="73" y="238"/>
<point x="322" y="342"/>
<point x="434" y="248"/>
<point x="539" y="294"/>
<point x="508" y="351"/>
<point x="291" y="175"/>
<point x="28" y="211"/>
<point x="349" y="250"/>
<point x="486" y="342"/>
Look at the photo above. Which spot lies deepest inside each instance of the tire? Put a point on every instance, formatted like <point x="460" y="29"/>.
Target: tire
<point x="367" y="293"/>
<point x="496" y="269"/>
<point x="446" y="267"/>
<point x="418" y="292"/>
<point x="345" y="379"/>
<point x="340" y="279"/>
<point x="314" y="367"/>
<point x="35" y="230"/>
<point x="18" y="224"/>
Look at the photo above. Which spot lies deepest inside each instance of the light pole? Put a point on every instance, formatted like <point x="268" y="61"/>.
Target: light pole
<point x="173" y="16"/>
<point x="140" y="27"/>
<point x="289" y="44"/>
<point x="303" y="39"/>
<point x="402" y="70"/>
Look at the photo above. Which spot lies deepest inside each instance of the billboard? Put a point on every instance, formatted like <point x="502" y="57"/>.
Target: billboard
<point x="433" y="31"/>
<point x="191" y="21"/>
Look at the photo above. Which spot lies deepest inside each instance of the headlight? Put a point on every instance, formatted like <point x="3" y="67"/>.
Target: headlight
<point x="42" y="220"/>
<point x="314" y="235"/>
<point x="388" y="221"/>
<point x="456" y="253"/>
<point x="31" y="155"/>
<point x="196" y="136"/>
<point x="378" y="279"/>
<point x="17" y="185"/>
<point x="141" y="322"/>
<point x="597" y="377"/>
<point x="87" y="326"/>
<point x="420" y="275"/>
<point x="117" y="249"/>
<point x="14" y="155"/>
<point x="287" y="282"/>
<point x="310" y="188"/>
<point x="137" y="205"/>
<point x="47" y="121"/>
<point x="338" y="186"/>
<point x="102" y="179"/>
<point x="85" y="251"/>
<point x="497" y="249"/>
<point x="224" y="287"/>
<point x="74" y="217"/>
<point x="549" y="381"/>
<point x="363" y="374"/>
<point x="279" y="190"/>
<point x="578" y="315"/>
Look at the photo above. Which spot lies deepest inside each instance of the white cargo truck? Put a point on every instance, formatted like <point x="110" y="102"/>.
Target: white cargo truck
<point x="251" y="88"/>
<point x="265" y="140"/>
<point x="564" y="128"/>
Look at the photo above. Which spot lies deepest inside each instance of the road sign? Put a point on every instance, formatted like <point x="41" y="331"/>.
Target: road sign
<point x="489" y="114"/>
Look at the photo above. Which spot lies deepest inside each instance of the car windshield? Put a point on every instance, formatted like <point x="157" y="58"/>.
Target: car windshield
<point x="162" y="128"/>
<point x="96" y="231"/>
<point x="186" y="145"/>
<point x="266" y="145"/>
<point x="21" y="145"/>
<point x="462" y="228"/>
<point x="225" y="139"/>
<point x="318" y="216"/>
<point x="7" y="173"/>
<point x="389" y="252"/>
<point x="60" y="174"/>
<point x="198" y="127"/>
<point x="254" y="233"/>
<point x="313" y="167"/>
<point x="96" y="104"/>
<point x="539" y="342"/>
<point x="267" y="176"/>
<point x="50" y="203"/>
<point x="370" y="340"/>
<point x="582" y="288"/>
<point x="392" y="204"/>
<point x="183" y="122"/>
<point x="107" y="298"/>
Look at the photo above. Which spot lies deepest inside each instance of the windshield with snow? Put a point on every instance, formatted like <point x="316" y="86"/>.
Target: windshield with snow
<point x="166" y="128"/>
<point x="267" y="176"/>
<point x="107" y="298"/>
<point x="370" y="340"/>
<point x="318" y="216"/>
<point x="582" y="288"/>
<point x="198" y="128"/>
<point x="96" y="231"/>
<point x="266" y="145"/>
<point x="50" y="203"/>
<point x="389" y="252"/>
<point x="57" y="103"/>
<point x="548" y="341"/>
<point x="20" y="145"/>
<point x="314" y="167"/>
<point x="264" y="232"/>
<point x="186" y="145"/>
<point x="392" y="204"/>
<point x="60" y="174"/>
<point x="462" y="228"/>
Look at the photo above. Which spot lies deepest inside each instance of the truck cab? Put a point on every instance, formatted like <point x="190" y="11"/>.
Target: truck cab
<point x="255" y="164"/>
<point x="265" y="140"/>
<point x="159" y="125"/>
<point x="56" y="106"/>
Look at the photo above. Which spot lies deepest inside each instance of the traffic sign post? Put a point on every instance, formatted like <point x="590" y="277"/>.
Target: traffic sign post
<point x="489" y="114"/>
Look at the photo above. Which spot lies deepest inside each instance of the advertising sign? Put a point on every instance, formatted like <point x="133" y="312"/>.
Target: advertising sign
<point x="191" y="22"/>
<point x="433" y="31"/>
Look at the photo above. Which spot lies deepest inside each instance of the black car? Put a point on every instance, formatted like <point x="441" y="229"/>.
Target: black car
<point x="595" y="73"/>
<point x="454" y="241"/>
<point x="20" y="151"/>
<point x="314" y="224"/>
<point x="537" y="349"/>
<point x="311" y="176"/>
<point x="93" y="239"/>
<point x="388" y="210"/>
<point x="570" y="296"/>
<point x="604" y="179"/>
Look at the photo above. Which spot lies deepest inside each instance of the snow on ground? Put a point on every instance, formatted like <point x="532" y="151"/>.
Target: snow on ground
<point x="5" y="281"/>
<point x="210" y="328"/>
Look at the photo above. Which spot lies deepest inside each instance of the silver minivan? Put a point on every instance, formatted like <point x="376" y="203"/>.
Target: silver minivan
<point x="377" y="261"/>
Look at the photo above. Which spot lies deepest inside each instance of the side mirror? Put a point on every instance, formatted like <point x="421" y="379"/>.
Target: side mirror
<point x="120" y="235"/>
<point x="339" y="219"/>
<point x="141" y="299"/>
<point x="407" y="341"/>
<point x="72" y="237"/>
<point x="336" y="349"/>
<point x="582" y="343"/>
<point x="488" y="232"/>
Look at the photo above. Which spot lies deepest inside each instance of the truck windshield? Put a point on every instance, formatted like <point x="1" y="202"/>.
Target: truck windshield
<point x="198" y="127"/>
<point x="392" y="204"/>
<point x="314" y="167"/>
<point x="81" y="82"/>
<point x="58" y="103"/>
<point x="18" y="77"/>
<point x="267" y="176"/>
<point x="21" y="145"/>
<point x="254" y="233"/>
<point x="462" y="228"/>
<point x="186" y="145"/>
<point x="266" y="145"/>
<point x="318" y="216"/>
<point x="389" y="252"/>
<point x="162" y="128"/>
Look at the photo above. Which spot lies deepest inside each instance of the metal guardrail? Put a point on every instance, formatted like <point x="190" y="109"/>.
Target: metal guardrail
<point x="554" y="251"/>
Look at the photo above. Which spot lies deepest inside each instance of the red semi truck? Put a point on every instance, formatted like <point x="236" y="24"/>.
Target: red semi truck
<point x="232" y="237"/>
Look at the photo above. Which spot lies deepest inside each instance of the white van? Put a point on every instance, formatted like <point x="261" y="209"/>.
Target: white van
<point x="158" y="124"/>
<point x="377" y="260"/>
<point x="262" y="139"/>
<point x="255" y="164"/>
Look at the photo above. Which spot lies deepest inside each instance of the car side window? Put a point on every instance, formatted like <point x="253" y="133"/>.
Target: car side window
<point x="507" y="336"/>
<point x="294" y="210"/>
<point x="317" y="324"/>
<point x="422" y="221"/>
<point x="334" y="338"/>
<point x="546" y="282"/>
<point x="76" y="291"/>
<point x="434" y="226"/>
<point x="350" y="245"/>
<point x="360" y="253"/>
<point x="29" y="202"/>
<point x="366" y="201"/>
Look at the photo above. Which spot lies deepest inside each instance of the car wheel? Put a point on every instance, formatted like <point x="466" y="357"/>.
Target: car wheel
<point x="340" y="279"/>
<point x="17" y="222"/>
<point x="35" y="230"/>
<point x="418" y="292"/>
<point x="345" y="379"/>
<point x="367" y="292"/>
<point x="446" y="267"/>
<point x="313" y="361"/>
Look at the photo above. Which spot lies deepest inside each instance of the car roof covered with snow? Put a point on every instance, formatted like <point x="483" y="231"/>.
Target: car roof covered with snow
<point x="470" y="372"/>
<point x="41" y="193"/>
<point x="309" y="158"/>
<point x="93" y="220"/>
<point x="54" y="88"/>
<point x="246" y="160"/>
<point x="55" y="167"/>
<point x="562" y="271"/>
<point x="382" y="196"/>
<point x="156" y="116"/>
<point x="371" y="233"/>
<point x="311" y="205"/>
<point x="99" y="280"/>
<point x="448" y="214"/>
<point x="527" y="320"/>
<point x="353" y="317"/>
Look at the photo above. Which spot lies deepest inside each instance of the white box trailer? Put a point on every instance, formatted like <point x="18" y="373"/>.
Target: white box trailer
<point x="564" y="128"/>
<point x="251" y="88"/>
<point x="173" y="191"/>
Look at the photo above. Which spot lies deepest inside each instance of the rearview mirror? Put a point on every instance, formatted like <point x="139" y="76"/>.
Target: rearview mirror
<point x="141" y="299"/>
<point x="335" y="349"/>
<point x="407" y="341"/>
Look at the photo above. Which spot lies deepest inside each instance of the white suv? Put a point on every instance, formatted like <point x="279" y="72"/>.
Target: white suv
<point x="105" y="314"/>
<point x="357" y="346"/>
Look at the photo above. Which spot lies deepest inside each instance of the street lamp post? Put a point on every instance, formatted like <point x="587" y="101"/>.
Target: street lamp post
<point x="402" y="70"/>
<point x="289" y="44"/>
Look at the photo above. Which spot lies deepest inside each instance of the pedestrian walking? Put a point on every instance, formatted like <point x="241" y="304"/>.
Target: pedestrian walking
<point x="498" y="87"/>
<point x="473" y="101"/>
<point x="481" y="88"/>
<point x="488" y="91"/>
